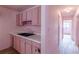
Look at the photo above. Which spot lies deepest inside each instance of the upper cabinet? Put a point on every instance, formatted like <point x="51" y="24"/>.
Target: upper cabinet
<point x="31" y="16"/>
<point x="36" y="16"/>
<point x="19" y="16"/>
<point x="24" y="15"/>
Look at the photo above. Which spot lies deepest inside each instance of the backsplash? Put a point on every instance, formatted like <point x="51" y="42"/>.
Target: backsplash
<point x="35" y="29"/>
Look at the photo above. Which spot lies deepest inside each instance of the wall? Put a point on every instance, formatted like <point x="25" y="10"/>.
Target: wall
<point x="7" y="25"/>
<point x="50" y="40"/>
<point x="76" y="27"/>
<point x="35" y="29"/>
<point x="43" y="30"/>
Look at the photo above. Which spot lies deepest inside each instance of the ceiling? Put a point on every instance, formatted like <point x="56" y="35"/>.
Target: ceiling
<point x="18" y="7"/>
<point x="67" y="12"/>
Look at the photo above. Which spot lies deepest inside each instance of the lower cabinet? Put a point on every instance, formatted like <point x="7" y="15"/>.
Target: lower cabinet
<point x="22" y="46"/>
<point x="17" y="43"/>
<point x="25" y="46"/>
<point x="36" y="48"/>
<point x="28" y="47"/>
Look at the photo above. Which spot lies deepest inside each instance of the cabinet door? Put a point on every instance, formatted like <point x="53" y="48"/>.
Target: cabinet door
<point x="36" y="16"/>
<point x="19" y="18"/>
<point x="24" y="15"/>
<point x="36" y="48"/>
<point x="22" y="46"/>
<point x="29" y="15"/>
<point x="39" y="15"/>
<point x="28" y="47"/>
<point x="17" y="43"/>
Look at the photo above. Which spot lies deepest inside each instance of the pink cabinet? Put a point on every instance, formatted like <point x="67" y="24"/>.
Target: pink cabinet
<point x="19" y="18"/>
<point x="24" y="15"/>
<point x="22" y="46"/>
<point x="36" y="48"/>
<point x="17" y="43"/>
<point x="39" y="15"/>
<point x="28" y="47"/>
<point x="29" y="15"/>
<point x="36" y="16"/>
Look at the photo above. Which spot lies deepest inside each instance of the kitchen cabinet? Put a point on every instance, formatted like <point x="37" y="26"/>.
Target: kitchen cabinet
<point x="36" y="16"/>
<point x="28" y="47"/>
<point x="25" y="46"/>
<point x="29" y="17"/>
<point x="17" y="43"/>
<point x="36" y="48"/>
<point x="22" y="46"/>
<point x="19" y="18"/>
<point x="39" y="15"/>
<point x="24" y="15"/>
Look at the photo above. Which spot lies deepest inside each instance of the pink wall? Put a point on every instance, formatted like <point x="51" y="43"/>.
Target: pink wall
<point x="35" y="29"/>
<point x="77" y="27"/>
<point x="51" y="30"/>
<point x="77" y="32"/>
<point x="7" y="25"/>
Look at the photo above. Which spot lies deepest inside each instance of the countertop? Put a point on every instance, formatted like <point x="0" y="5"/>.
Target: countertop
<point x="34" y="38"/>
